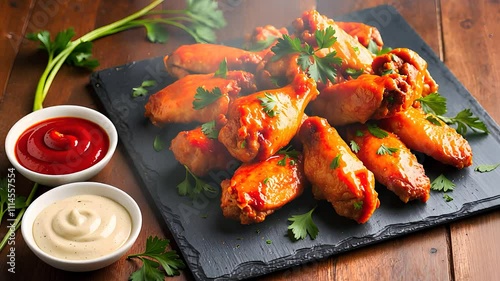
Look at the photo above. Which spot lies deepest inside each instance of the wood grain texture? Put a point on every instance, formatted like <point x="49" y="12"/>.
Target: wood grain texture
<point x="470" y="32"/>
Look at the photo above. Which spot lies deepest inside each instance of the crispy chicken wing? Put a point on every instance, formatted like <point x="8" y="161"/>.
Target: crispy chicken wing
<point x="200" y="153"/>
<point x="368" y="97"/>
<point x="260" y="124"/>
<point x="353" y="54"/>
<point x="206" y="58"/>
<point x="441" y="142"/>
<point x="263" y="37"/>
<point x="362" y="32"/>
<point x="392" y="163"/>
<point x="258" y="189"/>
<point x="174" y="103"/>
<point x="336" y="174"/>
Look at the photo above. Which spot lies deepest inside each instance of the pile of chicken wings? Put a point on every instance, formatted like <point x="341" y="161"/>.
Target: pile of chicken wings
<point x="289" y="132"/>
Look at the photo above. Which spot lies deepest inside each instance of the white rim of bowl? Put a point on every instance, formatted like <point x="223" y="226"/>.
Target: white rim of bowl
<point x="107" y="126"/>
<point x="89" y="188"/>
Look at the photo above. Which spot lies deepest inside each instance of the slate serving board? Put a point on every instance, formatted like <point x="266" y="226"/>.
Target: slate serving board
<point x="217" y="248"/>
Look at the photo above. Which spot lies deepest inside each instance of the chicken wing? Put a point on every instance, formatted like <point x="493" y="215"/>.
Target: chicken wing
<point x="353" y="54"/>
<point x="335" y="173"/>
<point x="392" y="163"/>
<point x="174" y="103"/>
<point x="368" y="97"/>
<point x="206" y="58"/>
<point x="441" y="142"/>
<point x="200" y="153"/>
<point x="258" y="189"/>
<point x="260" y="124"/>
<point x="362" y="32"/>
<point x="263" y="38"/>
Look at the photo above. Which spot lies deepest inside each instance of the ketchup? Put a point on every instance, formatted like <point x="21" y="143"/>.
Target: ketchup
<point x="61" y="145"/>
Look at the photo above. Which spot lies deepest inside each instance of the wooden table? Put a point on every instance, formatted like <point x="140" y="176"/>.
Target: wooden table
<point x="464" y="33"/>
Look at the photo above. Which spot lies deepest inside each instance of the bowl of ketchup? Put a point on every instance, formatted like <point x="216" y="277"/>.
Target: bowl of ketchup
<point x="61" y="144"/>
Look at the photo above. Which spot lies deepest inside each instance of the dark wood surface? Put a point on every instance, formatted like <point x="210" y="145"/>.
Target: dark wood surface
<point x="463" y="33"/>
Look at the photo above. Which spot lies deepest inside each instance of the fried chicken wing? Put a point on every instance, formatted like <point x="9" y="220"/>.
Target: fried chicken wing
<point x="260" y="124"/>
<point x="206" y="58"/>
<point x="392" y="163"/>
<point x="362" y="32"/>
<point x="199" y="153"/>
<point x="335" y="173"/>
<point x="263" y="37"/>
<point x="409" y="64"/>
<point x="353" y="54"/>
<point x="174" y="103"/>
<point x="258" y="189"/>
<point x="368" y="97"/>
<point x="441" y="142"/>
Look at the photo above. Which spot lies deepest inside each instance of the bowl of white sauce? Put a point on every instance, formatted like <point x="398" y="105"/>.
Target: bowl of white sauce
<point x="81" y="226"/>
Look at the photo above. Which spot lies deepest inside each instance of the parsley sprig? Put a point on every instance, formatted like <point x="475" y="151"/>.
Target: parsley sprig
<point x="186" y="186"/>
<point x="319" y="68"/>
<point x="384" y="150"/>
<point x="302" y="225"/>
<point x="199" y="20"/>
<point x="210" y="130"/>
<point x="269" y="103"/>
<point x="141" y="90"/>
<point x="435" y="104"/>
<point x="155" y="256"/>
<point x="204" y="97"/>
<point x="441" y="183"/>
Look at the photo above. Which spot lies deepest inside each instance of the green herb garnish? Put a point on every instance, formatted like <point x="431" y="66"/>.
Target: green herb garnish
<point x="302" y="225"/>
<point x="204" y="97"/>
<point x="186" y="188"/>
<point x="354" y="146"/>
<point x="358" y="205"/>
<point x="486" y="168"/>
<point x="354" y="73"/>
<point x="441" y="183"/>
<point x="383" y="150"/>
<point x="141" y="90"/>
<point x="335" y="162"/>
<point x="158" y="144"/>
<point x="222" y="70"/>
<point x="447" y="197"/>
<point x="210" y="130"/>
<point x="269" y="102"/>
<point x="376" y="131"/>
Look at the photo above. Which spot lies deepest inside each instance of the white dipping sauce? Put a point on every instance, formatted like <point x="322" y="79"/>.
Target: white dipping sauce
<point x="82" y="227"/>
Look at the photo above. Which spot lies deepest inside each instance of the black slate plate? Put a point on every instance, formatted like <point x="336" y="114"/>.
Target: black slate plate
<point x="217" y="248"/>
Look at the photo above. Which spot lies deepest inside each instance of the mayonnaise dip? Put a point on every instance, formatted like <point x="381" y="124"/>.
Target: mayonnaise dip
<point x="82" y="227"/>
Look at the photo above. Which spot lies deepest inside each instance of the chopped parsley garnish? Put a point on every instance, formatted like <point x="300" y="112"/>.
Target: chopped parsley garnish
<point x="222" y="70"/>
<point x="142" y="91"/>
<point x="186" y="187"/>
<point x="354" y="146"/>
<point x="383" y="150"/>
<point x="335" y="162"/>
<point x="269" y="241"/>
<point x="486" y="168"/>
<point x="155" y="256"/>
<point x="269" y="102"/>
<point x="302" y="225"/>
<point x="210" y="130"/>
<point x="203" y="97"/>
<point x="358" y="205"/>
<point x="441" y="183"/>
<point x="376" y="131"/>
<point x="447" y="197"/>
<point x="319" y="68"/>
<point x="354" y="73"/>
<point x="289" y="151"/>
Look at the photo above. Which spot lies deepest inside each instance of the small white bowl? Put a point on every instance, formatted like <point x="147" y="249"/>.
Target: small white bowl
<point x="53" y="112"/>
<point x="73" y="189"/>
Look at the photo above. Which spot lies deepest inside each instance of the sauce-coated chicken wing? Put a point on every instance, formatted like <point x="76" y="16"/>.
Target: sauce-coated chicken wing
<point x="441" y="142"/>
<point x="260" y="124"/>
<point x="174" y="103"/>
<point x="335" y="173"/>
<point x="200" y="153"/>
<point x="392" y="163"/>
<point x="206" y="58"/>
<point x="368" y="97"/>
<point x="258" y="189"/>
<point x="362" y="32"/>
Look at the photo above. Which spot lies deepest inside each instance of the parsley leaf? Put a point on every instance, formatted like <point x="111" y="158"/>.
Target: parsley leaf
<point x="186" y="188"/>
<point x="203" y="97"/>
<point x="303" y="225"/>
<point x="383" y="150"/>
<point x="447" y="197"/>
<point x="433" y="103"/>
<point x="335" y="162"/>
<point x="222" y="70"/>
<point x="289" y="151"/>
<point x="141" y="90"/>
<point x="354" y="146"/>
<point x="269" y="102"/>
<point x="156" y="32"/>
<point x="285" y="46"/>
<point x="465" y="119"/>
<point x="441" y="183"/>
<point x="354" y="73"/>
<point x="210" y="130"/>
<point x="261" y="44"/>
<point x="325" y="38"/>
<point x="154" y="256"/>
<point x="486" y="168"/>
<point x="376" y="131"/>
<point x="372" y="47"/>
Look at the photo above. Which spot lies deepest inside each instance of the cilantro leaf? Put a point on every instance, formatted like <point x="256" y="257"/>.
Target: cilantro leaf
<point x="81" y="56"/>
<point x="433" y="103"/>
<point x="354" y="146"/>
<point x="156" y="33"/>
<point x="222" y="70"/>
<point x="376" y="131"/>
<point x="486" y="168"/>
<point x="210" y="130"/>
<point x="206" y="12"/>
<point x="384" y="150"/>
<point x="465" y="119"/>
<point x="154" y="256"/>
<point x="269" y="102"/>
<point x="447" y="197"/>
<point x="325" y="38"/>
<point x="203" y="97"/>
<point x="441" y="183"/>
<point x="186" y="188"/>
<point x="303" y="225"/>
<point x="335" y="162"/>
<point x="323" y="68"/>
<point x="141" y="90"/>
<point x="286" y="45"/>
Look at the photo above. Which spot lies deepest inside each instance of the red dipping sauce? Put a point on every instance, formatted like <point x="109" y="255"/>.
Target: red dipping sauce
<point x="61" y="145"/>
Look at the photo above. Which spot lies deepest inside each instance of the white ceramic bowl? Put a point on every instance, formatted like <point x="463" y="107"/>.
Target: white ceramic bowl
<point x="60" y="111"/>
<point x="73" y="189"/>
